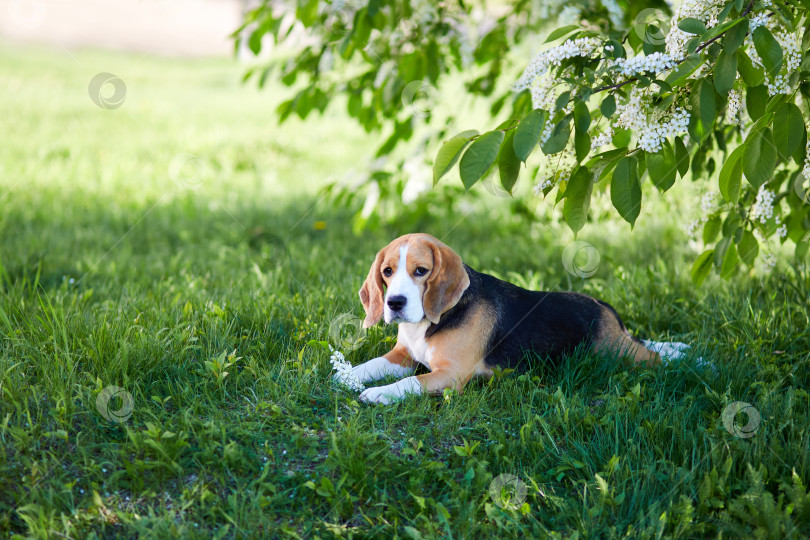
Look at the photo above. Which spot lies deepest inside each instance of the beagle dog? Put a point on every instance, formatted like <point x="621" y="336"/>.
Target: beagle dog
<point x="460" y="323"/>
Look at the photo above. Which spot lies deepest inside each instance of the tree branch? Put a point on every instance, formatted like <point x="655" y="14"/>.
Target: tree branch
<point x="699" y="49"/>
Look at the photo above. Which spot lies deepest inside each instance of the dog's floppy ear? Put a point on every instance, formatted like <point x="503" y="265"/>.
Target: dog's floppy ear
<point x="371" y="293"/>
<point x="446" y="284"/>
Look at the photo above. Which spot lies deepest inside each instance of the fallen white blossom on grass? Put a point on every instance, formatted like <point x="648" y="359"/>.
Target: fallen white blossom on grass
<point x="343" y="371"/>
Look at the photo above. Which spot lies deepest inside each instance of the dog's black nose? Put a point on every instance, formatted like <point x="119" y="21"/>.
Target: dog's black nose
<point x="397" y="302"/>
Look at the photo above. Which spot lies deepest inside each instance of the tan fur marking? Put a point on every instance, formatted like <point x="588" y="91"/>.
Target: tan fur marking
<point x="399" y="355"/>
<point x="458" y="354"/>
<point x="611" y="339"/>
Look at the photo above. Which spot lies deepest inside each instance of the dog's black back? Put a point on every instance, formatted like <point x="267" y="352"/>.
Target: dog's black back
<point x="548" y="324"/>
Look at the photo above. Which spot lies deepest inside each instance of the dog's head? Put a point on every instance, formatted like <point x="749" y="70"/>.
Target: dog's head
<point x="413" y="278"/>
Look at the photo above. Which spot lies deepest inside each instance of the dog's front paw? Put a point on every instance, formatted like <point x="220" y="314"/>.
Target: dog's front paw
<point x="391" y="393"/>
<point x="378" y="394"/>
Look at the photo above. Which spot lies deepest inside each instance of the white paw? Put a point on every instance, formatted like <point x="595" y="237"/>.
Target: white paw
<point x="378" y="394"/>
<point x="391" y="393"/>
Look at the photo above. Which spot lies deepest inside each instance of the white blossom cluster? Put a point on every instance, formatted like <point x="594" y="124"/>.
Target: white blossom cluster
<point x="762" y="210"/>
<point x="602" y="139"/>
<point x="692" y="228"/>
<point x="655" y="63"/>
<point x="806" y="168"/>
<point x="536" y="76"/>
<point x="781" y="230"/>
<point x="540" y="186"/>
<point x="343" y="371"/>
<point x="703" y="10"/>
<point x="558" y="168"/>
<point x="707" y="202"/>
<point x="734" y="107"/>
<point x="791" y="49"/>
<point x="651" y="125"/>
<point x="760" y="19"/>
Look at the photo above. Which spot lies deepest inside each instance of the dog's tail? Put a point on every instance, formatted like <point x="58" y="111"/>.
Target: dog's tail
<point x="667" y="350"/>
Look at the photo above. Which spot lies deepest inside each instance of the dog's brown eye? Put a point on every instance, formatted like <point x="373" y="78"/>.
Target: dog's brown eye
<point x="387" y="272"/>
<point x="420" y="271"/>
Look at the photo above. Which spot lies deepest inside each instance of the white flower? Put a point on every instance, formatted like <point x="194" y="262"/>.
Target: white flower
<point x="651" y="125"/>
<point x="692" y="228"/>
<point x="791" y="48"/>
<point x="806" y="168"/>
<point x="782" y="231"/>
<point x="707" y="203"/>
<point x="734" y="107"/>
<point x="655" y="63"/>
<point x="540" y="186"/>
<point x="536" y="76"/>
<point x="705" y="11"/>
<point x="602" y="139"/>
<point x="343" y="371"/>
<point x="763" y="206"/>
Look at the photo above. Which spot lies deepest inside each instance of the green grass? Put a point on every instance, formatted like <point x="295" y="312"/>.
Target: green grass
<point x="112" y="273"/>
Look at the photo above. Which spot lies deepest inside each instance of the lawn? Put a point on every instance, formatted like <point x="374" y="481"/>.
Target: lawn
<point x="179" y="247"/>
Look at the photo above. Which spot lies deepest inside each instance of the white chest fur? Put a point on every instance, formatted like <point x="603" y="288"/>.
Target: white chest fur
<point x="412" y="336"/>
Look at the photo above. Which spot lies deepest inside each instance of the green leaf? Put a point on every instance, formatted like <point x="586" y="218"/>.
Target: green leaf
<point x="582" y="144"/>
<point x="731" y="175"/>
<point x="621" y="138"/>
<point x="508" y="162"/>
<point x="625" y="192"/>
<point x="578" y="198"/>
<point x="751" y="75"/>
<point x="582" y="116"/>
<point x="725" y="72"/>
<point x="730" y="262"/>
<point x="788" y="130"/>
<point x="684" y="69"/>
<point x="479" y="157"/>
<point x="682" y="156"/>
<point x="560" y="32"/>
<point x="735" y="36"/>
<point x="559" y="137"/>
<point x="528" y="133"/>
<point x="756" y="100"/>
<point x="768" y="50"/>
<point x="702" y="267"/>
<point x="662" y="167"/>
<point x="710" y="229"/>
<point x="748" y="248"/>
<point x="449" y="153"/>
<point x="703" y="110"/>
<point x="759" y="157"/>
<point x="608" y="106"/>
<point x="692" y="26"/>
